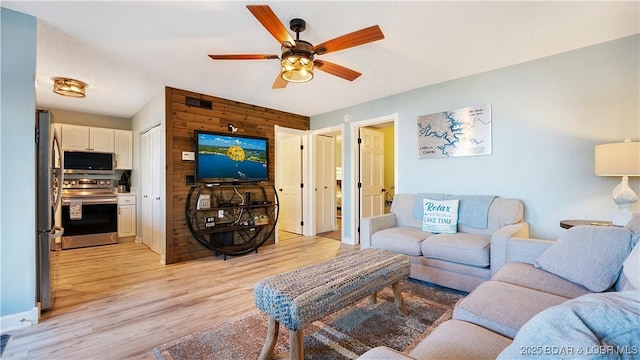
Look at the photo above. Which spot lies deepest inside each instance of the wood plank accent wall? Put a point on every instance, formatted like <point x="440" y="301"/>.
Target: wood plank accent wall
<point x="181" y="121"/>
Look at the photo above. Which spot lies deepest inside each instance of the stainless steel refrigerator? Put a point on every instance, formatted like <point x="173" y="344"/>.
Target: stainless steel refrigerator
<point x="48" y="195"/>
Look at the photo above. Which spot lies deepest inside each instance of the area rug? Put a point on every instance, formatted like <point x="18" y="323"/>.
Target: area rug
<point x="345" y="334"/>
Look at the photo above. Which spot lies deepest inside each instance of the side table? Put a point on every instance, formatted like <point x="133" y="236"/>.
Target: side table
<point x="568" y="224"/>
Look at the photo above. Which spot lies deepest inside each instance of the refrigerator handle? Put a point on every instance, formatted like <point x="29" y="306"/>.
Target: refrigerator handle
<point x="56" y="232"/>
<point x="60" y="173"/>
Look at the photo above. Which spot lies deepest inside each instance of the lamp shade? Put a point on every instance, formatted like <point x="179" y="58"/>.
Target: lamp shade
<point x="618" y="159"/>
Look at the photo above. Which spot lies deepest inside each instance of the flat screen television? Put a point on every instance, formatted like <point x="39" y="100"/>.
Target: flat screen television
<point x="225" y="158"/>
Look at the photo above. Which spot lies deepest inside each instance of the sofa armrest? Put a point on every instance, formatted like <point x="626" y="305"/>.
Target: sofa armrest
<point x="526" y="250"/>
<point x="372" y="224"/>
<point x="383" y="353"/>
<point x="499" y="239"/>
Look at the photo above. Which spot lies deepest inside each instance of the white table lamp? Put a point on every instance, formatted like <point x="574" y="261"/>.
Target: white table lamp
<point x="620" y="159"/>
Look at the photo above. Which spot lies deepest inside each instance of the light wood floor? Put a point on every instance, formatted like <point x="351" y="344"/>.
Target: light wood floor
<point x="118" y="301"/>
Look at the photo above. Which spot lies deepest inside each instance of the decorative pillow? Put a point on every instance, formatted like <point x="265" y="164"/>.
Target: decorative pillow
<point x="602" y="326"/>
<point x="440" y="216"/>
<point x="591" y="256"/>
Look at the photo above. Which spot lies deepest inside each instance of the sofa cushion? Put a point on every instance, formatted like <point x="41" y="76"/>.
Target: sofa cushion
<point x="403" y="240"/>
<point x="502" y="212"/>
<point x="473" y="211"/>
<point x="605" y="325"/>
<point x="454" y="339"/>
<point x="591" y="256"/>
<point x="383" y="353"/>
<point x="503" y="307"/>
<point x="402" y="207"/>
<point x="527" y="275"/>
<point x="470" y="249"/>
<point x="440" y="216"/>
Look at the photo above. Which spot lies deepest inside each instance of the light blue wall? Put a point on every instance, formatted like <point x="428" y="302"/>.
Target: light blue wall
<point x="547" y="116"/>
<point x="17" y="163"/>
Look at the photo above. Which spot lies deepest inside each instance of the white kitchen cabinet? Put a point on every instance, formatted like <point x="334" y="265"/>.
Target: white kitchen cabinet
<point x="85" y="138"/>
<point x="126" y="215"/>
<point x="123" y="143"/>
<point x="101" y="139"/>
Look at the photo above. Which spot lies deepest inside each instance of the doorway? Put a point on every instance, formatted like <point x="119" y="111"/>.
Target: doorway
<point x="373" y="174"/>
<point x="289" y="179"/>
<point x="327" y="186"/>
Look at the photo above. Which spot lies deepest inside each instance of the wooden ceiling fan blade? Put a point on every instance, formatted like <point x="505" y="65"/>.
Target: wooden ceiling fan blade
<point x="336" y="70"/>
<point x="245" y="57"/>
<point x="279" y="83"/>
<point x="360" y="37"/>
<point x="270" y="21"/>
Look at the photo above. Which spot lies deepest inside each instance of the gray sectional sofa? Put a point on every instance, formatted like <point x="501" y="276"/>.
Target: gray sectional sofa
<point x="575" y="297"/>
<point x="460" y="261"/>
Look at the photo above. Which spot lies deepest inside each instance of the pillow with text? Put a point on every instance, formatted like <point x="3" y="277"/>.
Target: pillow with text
<point x="440" y="216"/>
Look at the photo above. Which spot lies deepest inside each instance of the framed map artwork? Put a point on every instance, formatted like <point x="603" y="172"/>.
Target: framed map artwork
<point x="461" y="132"/>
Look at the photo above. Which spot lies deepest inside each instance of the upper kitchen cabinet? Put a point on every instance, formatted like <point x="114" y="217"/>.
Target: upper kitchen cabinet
<point x="123" y="149"/>
<point x="84" y="138"/>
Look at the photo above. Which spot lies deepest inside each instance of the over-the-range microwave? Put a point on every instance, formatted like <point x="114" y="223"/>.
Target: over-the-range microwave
<point x="89" y="162"/>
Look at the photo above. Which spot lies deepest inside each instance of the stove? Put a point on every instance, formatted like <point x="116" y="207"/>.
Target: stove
<point x="89" y="213"/>
<point x="87" y="187"/>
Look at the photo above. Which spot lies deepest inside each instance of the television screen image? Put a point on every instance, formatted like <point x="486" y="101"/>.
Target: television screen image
<point x="229" y="158"/>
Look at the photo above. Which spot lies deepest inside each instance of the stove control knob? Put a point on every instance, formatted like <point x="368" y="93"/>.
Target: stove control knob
<point x="73" y="182"/>
<point x="66" y="182"/>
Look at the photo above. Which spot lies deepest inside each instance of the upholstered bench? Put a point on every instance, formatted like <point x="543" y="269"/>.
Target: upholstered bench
<point x="297" y="298"/>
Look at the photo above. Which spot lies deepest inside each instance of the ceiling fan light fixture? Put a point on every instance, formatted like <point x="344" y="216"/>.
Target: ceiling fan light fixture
<point x="69" y="87"/>
<point x="296" y="69"/>
<point x="297" y="63"/>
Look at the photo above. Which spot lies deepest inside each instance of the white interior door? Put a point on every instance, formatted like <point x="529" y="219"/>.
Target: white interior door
<point x="371" y="172"/>
<point x="289" y="165"/>
<point x="325" y="183"/>
<point x="151" y="175"/>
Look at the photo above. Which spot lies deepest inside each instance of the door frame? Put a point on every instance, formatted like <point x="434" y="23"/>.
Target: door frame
<point x="355" y="168"/>
<point x="280" y="131"/>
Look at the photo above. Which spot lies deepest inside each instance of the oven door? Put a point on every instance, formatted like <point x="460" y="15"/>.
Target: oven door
<point x="89" y="221"/>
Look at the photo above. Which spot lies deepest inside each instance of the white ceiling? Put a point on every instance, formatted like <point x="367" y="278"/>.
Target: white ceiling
<point x="128" y="51"/>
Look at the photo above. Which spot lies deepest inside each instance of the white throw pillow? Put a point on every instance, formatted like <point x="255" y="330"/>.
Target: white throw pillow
<point x="440" y="216"/>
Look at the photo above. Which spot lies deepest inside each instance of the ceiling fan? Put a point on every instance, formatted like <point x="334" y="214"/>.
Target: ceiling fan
<point x="297" y="56"/>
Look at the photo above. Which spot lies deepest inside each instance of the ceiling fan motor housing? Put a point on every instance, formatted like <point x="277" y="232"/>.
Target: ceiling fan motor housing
<point x="302" y="49"/>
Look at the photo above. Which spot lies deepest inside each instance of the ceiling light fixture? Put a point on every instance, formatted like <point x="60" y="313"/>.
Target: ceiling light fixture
<point x="297" y="62"/>
<point x="69" y="87"/>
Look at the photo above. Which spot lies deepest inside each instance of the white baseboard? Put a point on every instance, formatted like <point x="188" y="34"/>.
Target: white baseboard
<point x="348" y="240"/>
<point x="138" y="240"/>
<point x="15" y="321"/>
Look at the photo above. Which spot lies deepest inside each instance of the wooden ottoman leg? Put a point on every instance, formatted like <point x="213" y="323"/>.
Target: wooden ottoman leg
<point x="296" y="343"/>
<point x="270" y="343"/>
<point x="373" y="297"/>
<point x="397" y="295"/>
